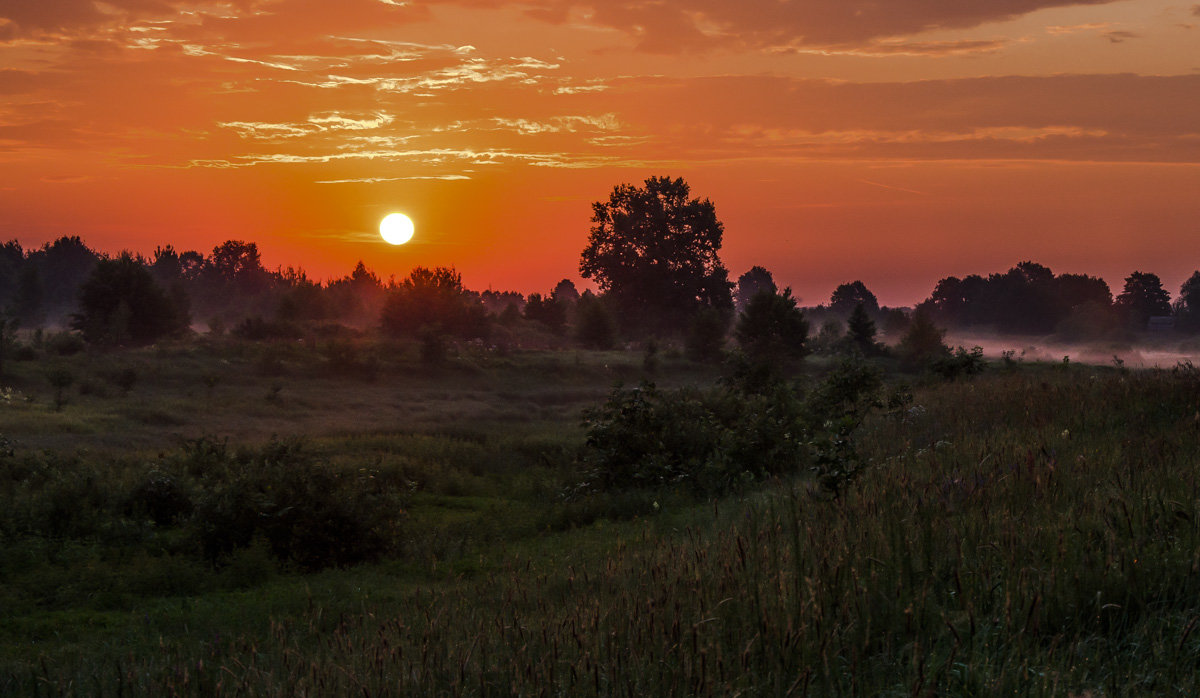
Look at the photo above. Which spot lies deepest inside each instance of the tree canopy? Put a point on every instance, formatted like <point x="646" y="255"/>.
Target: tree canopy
<point x="654" y="253"/>
<point x="121" y="303"/>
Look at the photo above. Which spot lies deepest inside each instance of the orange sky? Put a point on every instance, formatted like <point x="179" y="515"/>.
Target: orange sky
<point x="894" y="142"/>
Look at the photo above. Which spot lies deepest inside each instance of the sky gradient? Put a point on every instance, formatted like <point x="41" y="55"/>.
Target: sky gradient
<point x="895" y="142"/>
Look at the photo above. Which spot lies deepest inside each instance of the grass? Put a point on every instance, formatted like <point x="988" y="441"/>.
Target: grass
<point x="1032" y="531"/>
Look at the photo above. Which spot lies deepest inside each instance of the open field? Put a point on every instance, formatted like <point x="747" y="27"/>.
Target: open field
<point x="1034" y="530"/>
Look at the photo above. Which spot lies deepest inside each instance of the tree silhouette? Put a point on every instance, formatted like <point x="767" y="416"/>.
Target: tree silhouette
<point x="121" y="303"/>
<point x="1142" y="298"/>
<point x="653" y="252"/>
<point x="749" y="284"/>
<point x="433" y="300"/>
<point x="1187" y="304"/>
<point x="860" y="331"/>
<point x="922" y="343"/>
<point x="772" y="327"/>
<point x="847" y="297"/>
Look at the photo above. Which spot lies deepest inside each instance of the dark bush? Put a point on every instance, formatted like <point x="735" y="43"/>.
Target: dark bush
<point x="310" y="514"/>
<point x="161" y="498"/>
<point x="960" y="363"/>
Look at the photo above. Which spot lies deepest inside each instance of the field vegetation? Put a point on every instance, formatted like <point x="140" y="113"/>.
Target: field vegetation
<point x="225" y="517"/>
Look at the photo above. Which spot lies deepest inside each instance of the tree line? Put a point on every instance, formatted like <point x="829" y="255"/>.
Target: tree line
<point x="652" y="250"/>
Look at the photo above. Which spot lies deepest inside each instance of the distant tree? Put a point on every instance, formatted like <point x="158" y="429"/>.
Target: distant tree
<point x="121" y="303"/>
<point x="238" y="262"/>
<point x="355" y="297"/>
<point x="57" y="270"/>
<point x="654" y="253"/>
<point x="772" y="327"/>
<point x="1143" y="297"/>
<point x="846" y="297"/>
<point x="595" y="327"/>
<point x="12" y="259"/>
<point x="860" y="332"/>
<point x="565" y="292"/>
<point x="922" y="344"/>
<point x="27" y="302"/>
<point x="166" y="266"/>
<point x="433" y="299"/>
<point x="548" y="311"/>
<point x="749" y="284"/>
<point x="1187" y="305"/>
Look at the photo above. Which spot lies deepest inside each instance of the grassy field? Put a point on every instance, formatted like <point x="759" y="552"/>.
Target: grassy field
<point x="1031" y="531"/>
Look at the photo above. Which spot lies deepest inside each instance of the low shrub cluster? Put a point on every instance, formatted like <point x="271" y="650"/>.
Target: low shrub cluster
<point x="714" y="440"/>
<point x="206" y="502"/>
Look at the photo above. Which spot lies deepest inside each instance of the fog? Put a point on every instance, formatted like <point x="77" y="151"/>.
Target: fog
<point x="1164" y="352"/>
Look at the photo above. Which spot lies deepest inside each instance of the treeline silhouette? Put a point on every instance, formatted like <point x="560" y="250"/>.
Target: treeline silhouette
<point x="131" y="299"/>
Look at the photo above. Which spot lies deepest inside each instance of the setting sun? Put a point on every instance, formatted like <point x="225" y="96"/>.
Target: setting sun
<point x="396" y="228"/>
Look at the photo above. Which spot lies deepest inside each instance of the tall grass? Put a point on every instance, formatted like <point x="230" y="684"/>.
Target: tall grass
<point x="1027" y="533"/>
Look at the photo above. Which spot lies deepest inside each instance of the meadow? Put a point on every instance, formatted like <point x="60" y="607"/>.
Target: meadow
<point x="421" y="530"/>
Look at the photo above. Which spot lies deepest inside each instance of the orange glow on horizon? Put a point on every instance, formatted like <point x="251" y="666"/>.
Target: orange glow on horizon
<point x="839" y="139"/>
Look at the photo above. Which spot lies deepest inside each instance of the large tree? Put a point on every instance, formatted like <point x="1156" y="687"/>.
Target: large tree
<point x="433" y="300"/>
<point x="653" y="252"/>
<point x="749" y="284"/>
<point x="1142" y="298"/>
<point x="121" y="303"/>
<point x="847" y="297"/>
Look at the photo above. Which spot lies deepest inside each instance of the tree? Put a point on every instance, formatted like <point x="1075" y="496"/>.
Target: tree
<point x="595" y="327"/>
<point x="433" y="300"/>
<point x="749" y="284"/>
<point x="121" y="303"/>
<point x="860" y="333"/>
<point x="565" y="292"/>
<point x="239" y="263"/>
<point x="1142" y="298"/>
<point x="1187" y="305"/>
<point x="548" y="311"/>
<point x="654" y="253"/>
<point x="922" y="344"/>
<point x="848" y="296"/>
<point x="772" y="327"/>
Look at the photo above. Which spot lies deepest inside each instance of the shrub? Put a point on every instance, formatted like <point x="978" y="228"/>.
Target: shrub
<point x="309" y="513"/>
<point x="961" y="363"/>
<point x="161" y="498"/>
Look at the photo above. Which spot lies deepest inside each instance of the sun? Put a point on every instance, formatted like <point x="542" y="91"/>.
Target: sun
<point x="396" y="228"/>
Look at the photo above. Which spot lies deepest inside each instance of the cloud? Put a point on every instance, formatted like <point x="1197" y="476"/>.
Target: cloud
<point x="674" y="26"/>
<point x="889" y="47"/>
<point x="1117" y="37"/>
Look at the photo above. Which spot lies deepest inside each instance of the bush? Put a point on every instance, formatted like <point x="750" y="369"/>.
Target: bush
<point x="714" y="441"/>
<point x="161" y="498"/>
<point x="310" y="514"/>
<point x="961" y="363"/>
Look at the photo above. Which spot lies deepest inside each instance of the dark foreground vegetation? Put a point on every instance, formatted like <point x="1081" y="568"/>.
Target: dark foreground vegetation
<point x="1032" y="529"/>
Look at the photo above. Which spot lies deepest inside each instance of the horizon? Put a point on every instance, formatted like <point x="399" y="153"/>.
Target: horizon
<point x="893" y="145"/>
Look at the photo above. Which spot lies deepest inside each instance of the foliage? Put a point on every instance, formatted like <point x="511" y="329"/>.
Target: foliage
<point x="922" y="344"/>
<point x="654" y="253"/>
<point x="595" y="327"/>
<point x="706" y="335"/>
<point x="121" y="303"/>
<point x="1028" y="298"/>
<point x="549" y="311"/>
<point x="961" y="363"/>
<point x="750" y="284"/>
<point x="433" y="299"/>
<point x="847" y="297"/>
<point x="772" y="328"/>
<point x="717" y="440"/>
<point x="860" y="332"/>
<point x="1142" y="298"/>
